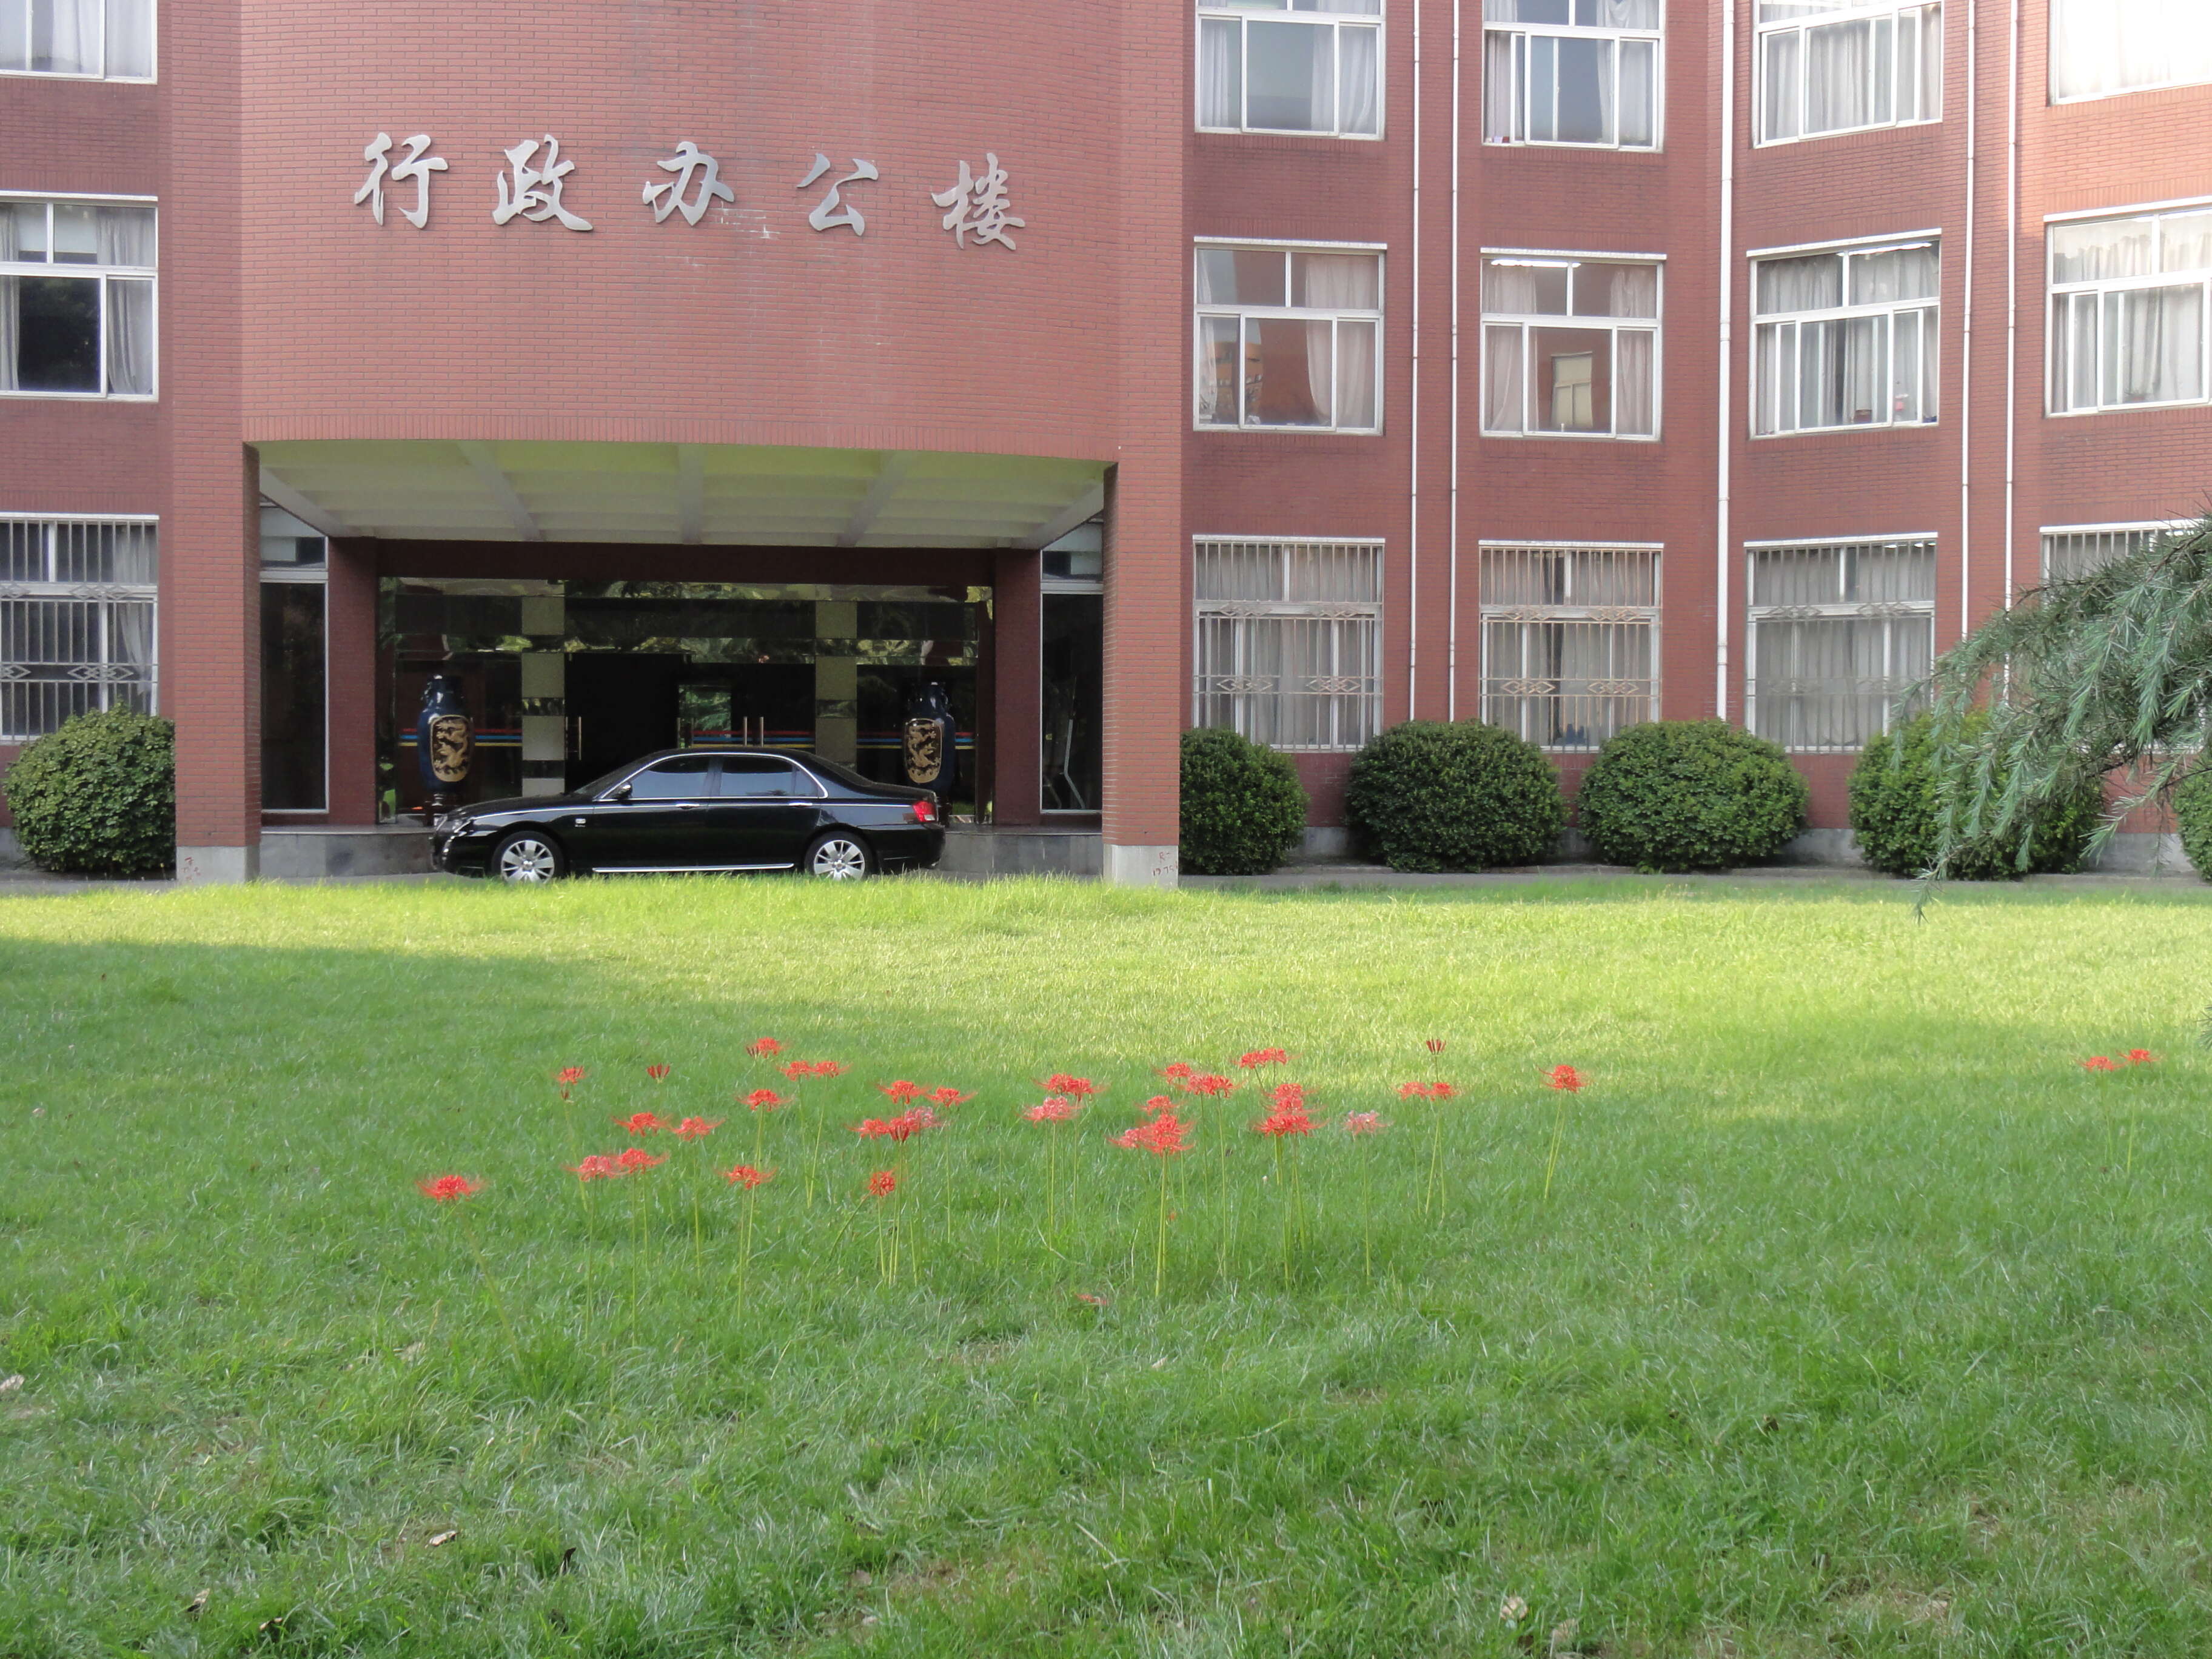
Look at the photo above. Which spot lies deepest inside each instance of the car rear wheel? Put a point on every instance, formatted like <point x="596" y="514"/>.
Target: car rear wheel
<point x="528" y="856"/>
<point x="838" y="857"/>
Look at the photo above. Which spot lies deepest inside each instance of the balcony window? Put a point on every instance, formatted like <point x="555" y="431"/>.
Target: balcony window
<point x="1570" y="641"/>
<point x="1839" y="631"/>
<point x="1845" y="339"/>
<point x="1287" y="338"/>
<point x="1289" y="641"/>
<point x="1831" y="66"/>
<point x="2099" y="48"/>
<point x="77" y="602"/>
<point x="2127" y="311"/>
<point x="93" y="40"/>
<point x="1571" y="72"/>
<point x="1291" y="66"/>
<point x="1570" y="346"/>
<point x="76" y="299"/>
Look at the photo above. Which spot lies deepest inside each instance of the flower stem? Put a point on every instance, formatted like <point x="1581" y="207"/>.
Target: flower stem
<point x="1559" y="1128"/>
<point x="1160" y="1247"/>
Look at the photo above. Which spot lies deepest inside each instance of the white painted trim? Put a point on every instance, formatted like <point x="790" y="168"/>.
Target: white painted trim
<point x="13" y="516"/>
<point x="2136" y="211"/>
<point x="2114" y="529"/>
<point x="1847" y="244"/>
<point x="1294" y="245"/>
<point x="1375" y="19"/>
<point x="1887" y="538"/>
<point x="1569" y="254"/>
<point x="75" y="195"/>
<point x="1548" y="543"/>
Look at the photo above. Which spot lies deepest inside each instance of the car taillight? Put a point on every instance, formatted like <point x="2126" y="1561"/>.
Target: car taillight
<point x="924" y="811"/>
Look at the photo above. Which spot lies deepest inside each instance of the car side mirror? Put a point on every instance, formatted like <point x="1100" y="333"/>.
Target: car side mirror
<point x="620" y="792"/>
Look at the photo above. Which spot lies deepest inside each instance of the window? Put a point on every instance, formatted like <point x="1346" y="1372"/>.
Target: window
<point x="1286" y="337"/>
<point x="1571" y="72"/>
<point x="2100" y="47"/>
<point x="1842" y="65"/>
<point x="294" y="655"/>
<point x="742" y="775"/>
<point x="77" y="621"/>
<point x="1839" y="632"/>
<point x="2078" y="550"/>
<point x="1290" y="642"/>
<point x="1290" y="66"/>
<point x="1845" y="339"/>
<point x="1554" y="361"/>
<point x="100" y="39"/>
<point x="681" y="777"/>
<point x="71" y="320"/>
<point x="1074" y="661"/>
<point x="1570" y="641"/>
<point x="2127" y="311"/>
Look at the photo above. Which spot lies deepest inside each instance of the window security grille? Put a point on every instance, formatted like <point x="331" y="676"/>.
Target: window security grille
<point x="76" y="622"/>
<point x="1839" y="631"/>
<point x="1570" y="641"/>
<point x="2070" y="553"/>
<point x="1289" y="648"/>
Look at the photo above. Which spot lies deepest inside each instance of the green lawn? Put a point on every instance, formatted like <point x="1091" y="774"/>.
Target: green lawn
<point x="1858" y="1319"/>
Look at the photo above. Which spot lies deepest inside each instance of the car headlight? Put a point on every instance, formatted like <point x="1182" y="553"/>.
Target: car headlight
<point x="453" y="824"/>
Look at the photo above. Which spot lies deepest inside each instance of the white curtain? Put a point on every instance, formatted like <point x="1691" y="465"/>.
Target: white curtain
<point x="1639" y="76"/>
<point x="1356" y="80"/>
<point x="1907" y="273"/>
<point x="1220" y="80"/>
<point x="131" y="39"/>
<point x="2187" y="242"/>
<point x="1322" y="100"/>
<point x="1632" y="291"/>
<point x="1784" y="94"/>
<point x="2092" y="253"/>
<point x="1338" y="281"/>
<point x="1634" y="390"/>
<point x="2155" y="346"/>
<point x="130" y="335"/>
<point x="1814" y="283"/>
<point x="1499" y="89"/>
<point x="2103" y="46"/>
<point x="14" y="35"/>
<point x="1503" y="402"/>
<point x="1508" y="288"/>
<point x="1836" y="64"/>
<point x="1216" y="371"/>
<point x="125" y="237"/>
<point x="1355" y="375"/>
<point x="10" y="301"/>
<point x="65" y="36"/>
<point x="1628" y="14"/>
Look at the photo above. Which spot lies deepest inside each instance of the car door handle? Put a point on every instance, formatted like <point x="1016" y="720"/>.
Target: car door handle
<point x="687" y="805"/>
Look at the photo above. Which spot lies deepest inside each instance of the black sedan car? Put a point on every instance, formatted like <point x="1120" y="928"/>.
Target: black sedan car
<point x="697" y="810"/>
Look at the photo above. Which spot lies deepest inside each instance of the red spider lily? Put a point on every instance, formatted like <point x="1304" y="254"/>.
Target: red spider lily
<point x="2098" y="1063"/>
<point x="1435" y="1045"/>
<point x="761" y="1047"/>
<point x="1263" y="1057"/>
<point x="446" y="1188"/>
<point x="695" y="1128"/>
<point x="594" y="1168"/>
<point x="2142" y="1057"/>
<point x="797" y="1069"/>
<point x="1427" y="1091"/>
<point x="1178" y="1073"/>
<point x="1094" y="1300"/>
<point x="748" y="1177"/>
<point x="657" y="1074"/>
<point x="765" y="1100"/>
<point x="826" y="1068"/>
<point x="1055" y="1109"/>
<point x="882" y="1184"/>
<point x="1075" y="1088"/>
<point x="1364" y="1123"/>
<point x="1565" y="1076"/>
<point x="949" y="1097"/>
<point x="1161" y="1136"/>
<point x="635" y="1158"/>
<point x="900" y="1091"/>
<point x="1288" y="1094"/>
<point x="1210" y="1083"/>
<point x="569" y="1074"/>
<point x="1157" y="1104"/>
<point x="641" y="1123"/>
<point x="899" y="1130"/>
<point x="1285" y="1118"/>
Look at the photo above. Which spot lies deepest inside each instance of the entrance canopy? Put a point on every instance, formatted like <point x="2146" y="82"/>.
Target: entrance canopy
<point x="699" y="494"/>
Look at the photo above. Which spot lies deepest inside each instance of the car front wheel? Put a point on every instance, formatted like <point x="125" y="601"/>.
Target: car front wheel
<point x="528" y="856"/>
<point x="838" y="857"/>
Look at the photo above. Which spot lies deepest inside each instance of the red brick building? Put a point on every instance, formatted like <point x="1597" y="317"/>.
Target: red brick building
<point x="669" y="370"/>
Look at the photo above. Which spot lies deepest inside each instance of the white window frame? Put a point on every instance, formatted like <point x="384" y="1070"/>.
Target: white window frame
<point x="1511" y="701"/>
<point x="153" y="23"/>
<point x="2118" y="92"/>
<point x="2062" y="296"/>
<point x="1344" y="612"/>
<point x="1930" y="327"/>
<point x="148" y="274"/>
<point x="2145" y="529"/>
<point x="1525" y="321"/>
<point x="1200" y="313"/>
<point x="1892" y="612"/>
<point x="1517" y="120"/>
<point x="1219" y="11"/>
<point x="100" y="674"/>
<point x="1859" y="10"/>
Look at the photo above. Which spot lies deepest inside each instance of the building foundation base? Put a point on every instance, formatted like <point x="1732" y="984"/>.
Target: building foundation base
<point x="218" y="865"/>
<point x="1141" y="866"/>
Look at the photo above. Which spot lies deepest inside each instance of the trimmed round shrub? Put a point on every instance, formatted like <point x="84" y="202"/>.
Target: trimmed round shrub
<point x="1897" y="816"/>
<point x="2192" y="813"/>
<point x="1690" y="795"/>
<point x="99" y="797"/>
<point x="1243" y="808"/>
<point x="1453" y="795"/>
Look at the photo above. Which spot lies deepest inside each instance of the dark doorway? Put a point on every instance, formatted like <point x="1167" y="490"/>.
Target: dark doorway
<point x="621" y="707"/>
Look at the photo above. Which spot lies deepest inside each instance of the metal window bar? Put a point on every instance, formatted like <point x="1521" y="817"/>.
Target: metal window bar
<point x="77" y="622"/>
<point x="2068" y="554"/>
<point x="1838" y="633"/>
<point x="1570" y="641"/>
<point x="1289" y="641"/>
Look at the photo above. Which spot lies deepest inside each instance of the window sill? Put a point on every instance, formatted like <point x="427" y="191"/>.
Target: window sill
<point x="2126" y="91"/>
<point x="1856" y="426"/>
<point x="92" y="80"/>
<point x="90" y="396"/>
<point x="1288" y="132"/>
<point x="1566" y="143"/>
<point x="2126" y="409"/>
<point x="1843" y="133"/>
<point x="1575" y="437"/>
<point x="1294" y="431"/>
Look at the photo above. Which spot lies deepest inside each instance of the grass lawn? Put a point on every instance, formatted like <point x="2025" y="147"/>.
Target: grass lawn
<point x="1858" y="1318"/>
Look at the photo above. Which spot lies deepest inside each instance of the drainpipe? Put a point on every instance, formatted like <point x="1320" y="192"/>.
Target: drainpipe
<point x="1727" y="443"/>
<point x="1414" y="482"/>
<point x="2012" y="297"/>
<point x="1451" y="654"/>
<point x="1967" y="343"/>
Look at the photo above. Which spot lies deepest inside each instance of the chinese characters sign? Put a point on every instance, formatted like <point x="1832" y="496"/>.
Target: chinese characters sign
<point x="977" y="205"/>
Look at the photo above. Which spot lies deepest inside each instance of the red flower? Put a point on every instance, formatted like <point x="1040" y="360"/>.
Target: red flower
<point x="1094" y="1300"/>
<point x="1157" y="1104"/>
<point x="641" y="1123"/>
<point x="826" y="1068"/>
<point x="1427" y="1091"/>
<point x="569" y="1074"/>
<point x="1210" y="1083"/>
<point x="1055" y="1109"/>
<point x="594" y="1168"/>
<point x="657" y="1072"/>
<point x="1075" y="1088"/>
<point x="2142" y="1057"/>
<point x="949" y="1097"/>
<point x="797" y="1069"/>
<point x="1178" y="1073"/>
<point x="1288" y="1117"/>
<point x="765" y="1100"/>
<point x="1288" y="1094"/>
<point x="446" y="1188"/>
<point x="900" y="1091"/>
<point x="914" y="1120"/>
<point x="636" y="1158"/>
<point x="1163" y="1135"/>
<point x="696" y="1128"/>
<point x="748" y="1177"/>
<point x="763" y="1047"/>
<point x="2098" y="1063"/>
<point x="1263" y="1057"/>
<point x="883" y="1184"/>
<point x="1565" y="1076"/>
<point x="1364" y="1123"/>
<point x="1435" y="1045"/>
